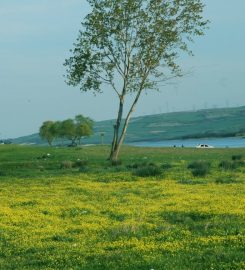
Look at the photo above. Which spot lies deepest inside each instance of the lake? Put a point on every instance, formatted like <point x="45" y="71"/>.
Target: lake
<point x="233" y="142"/>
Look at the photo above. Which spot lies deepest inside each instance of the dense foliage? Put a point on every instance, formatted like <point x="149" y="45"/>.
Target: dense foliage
<point x="71" y="129"/>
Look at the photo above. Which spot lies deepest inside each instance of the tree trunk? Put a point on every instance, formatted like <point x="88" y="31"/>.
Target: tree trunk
<point x="116" y="128"/>
<point x="115" y="151"/>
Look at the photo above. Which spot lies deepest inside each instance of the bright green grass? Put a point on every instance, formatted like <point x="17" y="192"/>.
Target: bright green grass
<point x="108" y="218"/>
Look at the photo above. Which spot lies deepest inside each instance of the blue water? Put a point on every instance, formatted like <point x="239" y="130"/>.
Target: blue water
<point x="232" y="142"/>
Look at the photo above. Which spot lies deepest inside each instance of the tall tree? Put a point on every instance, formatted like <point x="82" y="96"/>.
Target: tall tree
<point x="132" y="45"/>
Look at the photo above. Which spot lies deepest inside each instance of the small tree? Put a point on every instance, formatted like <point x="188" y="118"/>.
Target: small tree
<point x="80" y="119"/>
<point x="132" y="45"/>
<point x="83" y="130"/>
<point x="68" y="128"/>
<point x="47" y="131"/>
<point x="84" y="127"/>
<point x="71" y="129"/>
<point x="59" y="131"/>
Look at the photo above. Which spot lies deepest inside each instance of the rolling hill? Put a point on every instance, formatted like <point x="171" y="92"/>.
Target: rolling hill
<point x="223" y="122"/>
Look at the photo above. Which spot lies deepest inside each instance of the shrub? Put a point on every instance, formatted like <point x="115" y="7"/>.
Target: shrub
<point x="116" y="162"/>
<point x="227" y="165"/>
<point x="141" y="164"/>
<point x="239" y="163"/>
<point x="199" y="168"/>
<point x="231" y="165"/>
<point x="200" y="172"/>
<point x="227" y="179"/>
<point x="199" y="164"/>
<point x="66" y="164"/>
<point x="148" y="170"/>
<point x="133" y="166"/>
<point x="80" y="163"/>
<point x="236" y="157"/>
<point x="166" y="166"/>
<point x="83" y="169"/>
<point x="152" y="164"/>
<point x="137" y="165"/>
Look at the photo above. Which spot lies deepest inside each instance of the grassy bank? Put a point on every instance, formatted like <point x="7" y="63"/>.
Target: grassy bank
<point x="73" y="210"/>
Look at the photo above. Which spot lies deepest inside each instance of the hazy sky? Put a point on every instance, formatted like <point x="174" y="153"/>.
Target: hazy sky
<point x="35" y="38"/>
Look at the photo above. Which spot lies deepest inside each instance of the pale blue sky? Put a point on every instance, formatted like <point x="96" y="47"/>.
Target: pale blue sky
<point x="35" y="38"/>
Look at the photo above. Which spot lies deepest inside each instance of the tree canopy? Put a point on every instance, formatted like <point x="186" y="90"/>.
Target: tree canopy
<point x="70" y="129"/>
<point x="47" y="131"/>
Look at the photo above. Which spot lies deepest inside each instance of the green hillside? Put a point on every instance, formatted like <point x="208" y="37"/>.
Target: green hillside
<point x="223" y="122"/>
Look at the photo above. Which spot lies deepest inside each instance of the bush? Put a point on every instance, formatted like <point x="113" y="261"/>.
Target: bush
<point x="199" y="168"/>
<point x="66" y="164"/>
<point x="133" y="166"/>
<point x="239" y="163"/>
<point x="137" y="165"/>
<point x="166" y="166"/>
<point x="83" y="169"/>
<point x="236" y="157"/>
<point x="80" y="163"/>
<point x="228" y="179"/>
<point x="148" y="170"/>
<point x="140" y="165"/>
<point x="151" y="164"/>
<point x="200" y="172"/>
<point x="227" y="165"/>
<point x="116" y="162"/>
<point x="199" y="164"/>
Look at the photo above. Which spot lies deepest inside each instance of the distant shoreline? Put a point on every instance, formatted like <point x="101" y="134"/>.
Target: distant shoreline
<point x="229" y="142"/>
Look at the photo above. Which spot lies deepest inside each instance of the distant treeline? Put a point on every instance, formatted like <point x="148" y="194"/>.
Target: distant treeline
<point x="5" y="141"/>
<point x="70" y="129"/>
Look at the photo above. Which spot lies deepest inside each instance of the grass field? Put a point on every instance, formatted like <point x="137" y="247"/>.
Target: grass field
<point x="159" y="209"/>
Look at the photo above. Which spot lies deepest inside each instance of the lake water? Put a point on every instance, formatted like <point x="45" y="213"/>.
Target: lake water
<point x="232" y="142"/>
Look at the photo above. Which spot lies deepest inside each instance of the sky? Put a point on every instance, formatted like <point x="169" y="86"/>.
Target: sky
<point x="35" y="39"/>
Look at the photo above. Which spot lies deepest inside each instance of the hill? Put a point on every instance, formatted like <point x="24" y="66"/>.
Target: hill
<point x="223" y="122"/>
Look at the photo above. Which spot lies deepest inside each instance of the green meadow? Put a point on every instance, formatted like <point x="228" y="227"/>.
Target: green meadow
<point x="158" y="208"/>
